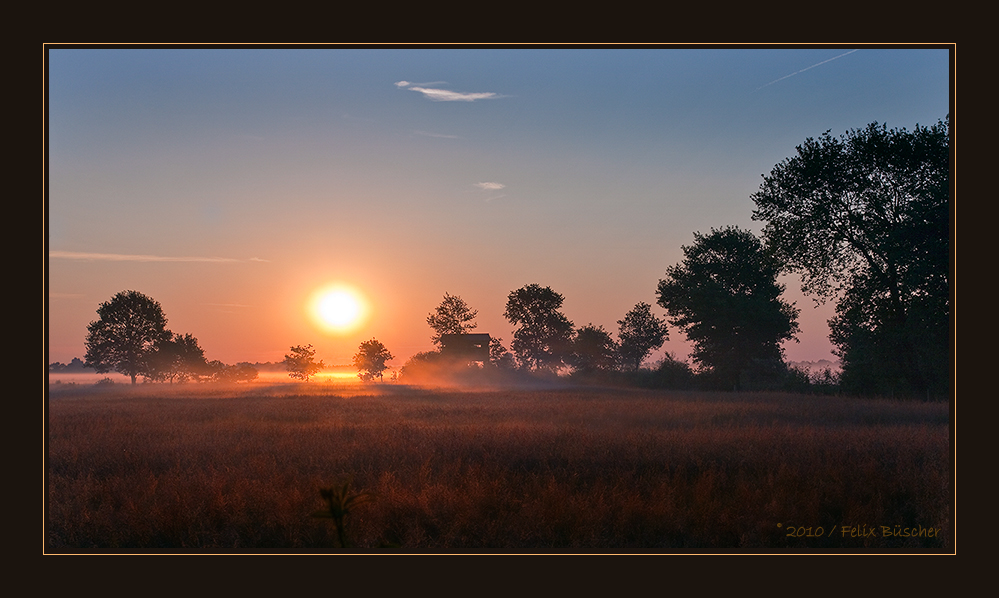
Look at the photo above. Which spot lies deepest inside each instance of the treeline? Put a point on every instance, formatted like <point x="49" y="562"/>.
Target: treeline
<point x="131" y="338"/>
<point x="546" y="345"/>
<point x="864" y="219"/>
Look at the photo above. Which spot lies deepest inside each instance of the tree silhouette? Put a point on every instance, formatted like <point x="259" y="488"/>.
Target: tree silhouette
<point x="241" y="372"/>
<point x="177" y="358"/>
<point x="452" y="316"/>
<point x="125" y="336"/>
<point x="301" y="363"/>
<point x="726" y="298"/>
<point x="640" y="333"/>
<point x="370" y="360"/>
<point x="544" y="338"/>
<point x="865" y="218"/>
<point x="499" y="357"/>
<point x="593" y="349"/>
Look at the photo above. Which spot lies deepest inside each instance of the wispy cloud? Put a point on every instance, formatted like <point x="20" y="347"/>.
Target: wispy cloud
<point x="490" y="186"/>
<point x="408" y="83"/>
<point x="119" y="257"/>
<point x="804" y="69"/>
<point x="445" y="95"/>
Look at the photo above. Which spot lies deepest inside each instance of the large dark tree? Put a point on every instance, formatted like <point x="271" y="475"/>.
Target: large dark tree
<point x="726" y="298"/>
<point x="593" y="349"/>
<point x="544" y="337"/>
<point x="125" y="336"/>
<point x="452" y="316"/>
<point x="640" y="333"/>
<point x="865" y="218"/>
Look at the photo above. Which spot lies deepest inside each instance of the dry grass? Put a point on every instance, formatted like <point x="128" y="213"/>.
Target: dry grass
<point x="556" y="470"/>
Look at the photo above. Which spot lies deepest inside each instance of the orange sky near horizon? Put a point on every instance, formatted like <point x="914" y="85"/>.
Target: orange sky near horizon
<point x="231" y="184"/>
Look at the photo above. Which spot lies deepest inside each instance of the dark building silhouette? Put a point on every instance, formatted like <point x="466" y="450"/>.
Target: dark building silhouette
<point x="466" y="347"/>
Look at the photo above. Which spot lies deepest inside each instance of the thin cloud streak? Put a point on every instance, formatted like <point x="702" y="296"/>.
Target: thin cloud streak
<point x="444" y="95"/>
<point x="118" y="257"/>
<point x="408" y="83"/>
<point x="804" y="69"/>
<point x="436" y="135"/>
<point x="490" y="186"/>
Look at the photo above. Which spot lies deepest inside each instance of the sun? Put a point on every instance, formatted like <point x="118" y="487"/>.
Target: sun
<point x="337" y="308"/>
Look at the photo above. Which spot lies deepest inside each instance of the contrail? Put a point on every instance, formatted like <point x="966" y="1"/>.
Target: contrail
<point x="804" y="69"/>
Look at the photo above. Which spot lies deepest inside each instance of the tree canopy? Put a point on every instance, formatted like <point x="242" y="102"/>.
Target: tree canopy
<point x="593" y="349"/>
<point x="177" y="358"/>
<point x="499" y="357"/>
<point x="640" y="333"/>
<point x="125" y="337"/>
<point x="241" y="372"/>
<point x="726" y="298"/>
<point x="544" y="337"/>
<point x="865" y="218"/>
<point x="301" y="363"/>
<point x="370" y="360"/>
<point x="452" y="316"/>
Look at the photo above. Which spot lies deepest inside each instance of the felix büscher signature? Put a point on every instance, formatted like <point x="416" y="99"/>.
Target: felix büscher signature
<point x="863" y="531"/>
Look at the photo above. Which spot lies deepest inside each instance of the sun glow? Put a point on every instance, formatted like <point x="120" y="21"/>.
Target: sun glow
<point x="337" y="308"/>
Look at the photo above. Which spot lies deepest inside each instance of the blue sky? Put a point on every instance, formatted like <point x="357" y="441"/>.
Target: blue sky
<point x="249" y="177"/>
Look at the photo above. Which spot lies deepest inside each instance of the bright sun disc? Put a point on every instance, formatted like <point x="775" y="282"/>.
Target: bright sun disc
<point x="337" y="309"/>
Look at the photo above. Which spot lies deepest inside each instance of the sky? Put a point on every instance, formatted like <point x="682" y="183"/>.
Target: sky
<point x="231" y="184"/>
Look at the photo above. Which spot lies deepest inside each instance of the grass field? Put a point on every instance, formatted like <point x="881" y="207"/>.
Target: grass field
<point x="195" y="468"/>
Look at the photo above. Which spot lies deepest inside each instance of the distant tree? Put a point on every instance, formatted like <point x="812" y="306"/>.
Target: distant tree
<point x="178" y="358"/>
<point x="75" y="365"/>
<point x="241" y="372"/>
<point x="370" y="360"/>
<point x="640" y="334"/>
<point x="218" y="371"/>
<point x="593" y="349"/>
<point x="125" y="336"/>
<point x="865" y="218"/>
<point x="544" y="338"/>
<point x="452" y="316"/>
<point x="499" y="357"/>
<point x="245" y="372"/>
<point x="672" y="374"/>
<point x="301" y="363"/>
<point x="726" y="298"/>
